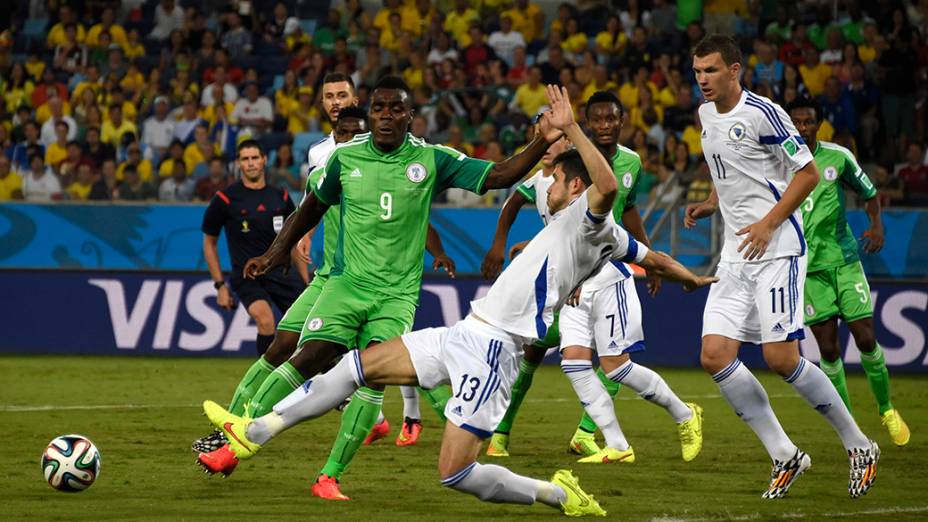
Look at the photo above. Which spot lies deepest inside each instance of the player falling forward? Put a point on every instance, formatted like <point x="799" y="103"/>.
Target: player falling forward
<point x="752" y="147"/>
<point x="836" y="285"/>
<point x="262" y="386"/>
<point x="372" y="292"/>
<point x="479" y="354"/>
<point x="608" y="318"/>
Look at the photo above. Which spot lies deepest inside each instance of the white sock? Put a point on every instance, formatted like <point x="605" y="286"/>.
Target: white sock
<point x="749" y="400"/>
<point x="492" y="483"/>
<point x="380" y="417"/>
<point x="651" y="387"/>
<point x="314" y="398"/>
<point x="813" y="385"/>
<point x="595" y="400"/>
<point x="410" y="402"/>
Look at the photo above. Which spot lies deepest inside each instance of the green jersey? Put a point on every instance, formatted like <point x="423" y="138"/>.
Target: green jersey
<point x="384" y="202"/>
<point x="330" y="229"/>
<point x="626" y="165"/>
<point x="830" y="239"/>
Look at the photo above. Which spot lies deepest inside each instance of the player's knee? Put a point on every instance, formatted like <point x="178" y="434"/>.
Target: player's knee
<point x="711" y="360"/>
<point x="866" y="341"/>
<point x="829" y="352"/>
<point x="280" y="350"/>
<point x="783" y="364"/>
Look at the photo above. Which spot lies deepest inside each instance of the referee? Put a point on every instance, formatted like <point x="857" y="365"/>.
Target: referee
<point x="252" y="213"/>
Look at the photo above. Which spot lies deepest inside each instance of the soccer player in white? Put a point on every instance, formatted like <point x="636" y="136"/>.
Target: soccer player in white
<point x="479" y="355"/>
<point x="752" y="150"/>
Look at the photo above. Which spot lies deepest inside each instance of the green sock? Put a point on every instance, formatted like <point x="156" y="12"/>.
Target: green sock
<point x="437" y="398"/>
<point x="612" y="388"/>
<point x="835" y="372"/>
<point x="519" y="389"/>
<point x="357" y="420"/>
<point x="249" y="384"/>
<point x="878" y="376"/>
<point x="275" y="387"/>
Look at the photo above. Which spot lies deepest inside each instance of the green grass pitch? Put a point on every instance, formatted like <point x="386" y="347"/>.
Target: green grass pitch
<point x="143" y="413"/>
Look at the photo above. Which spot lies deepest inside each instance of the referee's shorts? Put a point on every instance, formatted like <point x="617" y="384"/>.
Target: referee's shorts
<point x="273" y="287"/>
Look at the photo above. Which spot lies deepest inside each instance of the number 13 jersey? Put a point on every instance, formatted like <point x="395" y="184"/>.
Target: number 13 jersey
<point x="752" y="151"/>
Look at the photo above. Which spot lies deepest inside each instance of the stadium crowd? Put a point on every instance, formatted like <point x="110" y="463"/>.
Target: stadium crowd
<point x="145" y="100"/>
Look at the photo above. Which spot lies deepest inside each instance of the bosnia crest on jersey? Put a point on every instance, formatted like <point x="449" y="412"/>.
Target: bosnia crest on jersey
<point x="736" y="132"/>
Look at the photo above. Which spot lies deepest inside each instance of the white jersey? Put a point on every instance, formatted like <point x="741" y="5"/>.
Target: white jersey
<point x="535" y="189"/>
<point x="567" y="252"/>
<point x="318" y="153"/>
<point x="752" y="152"/>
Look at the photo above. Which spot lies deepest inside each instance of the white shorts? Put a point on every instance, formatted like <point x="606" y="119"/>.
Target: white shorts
<point x="607" y="320"/>
<point x="478" y="360"/>
<point x="757" y="302"/>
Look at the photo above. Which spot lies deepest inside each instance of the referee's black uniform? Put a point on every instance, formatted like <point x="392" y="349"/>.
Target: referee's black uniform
<point x="252" y="219"/>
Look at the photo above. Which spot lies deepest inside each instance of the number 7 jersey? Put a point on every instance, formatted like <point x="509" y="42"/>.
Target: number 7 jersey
<point x="752" y="151"/>
<point x="384" y="202"/>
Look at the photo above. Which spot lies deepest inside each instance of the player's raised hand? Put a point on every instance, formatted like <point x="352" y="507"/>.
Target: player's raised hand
<point x="699" y="282"/>
<point x="873" y="239"/>
<point x="561" y="114"/>
<point x="758" y="238"/>
<point x="653" y="282"/>
<point x="443" y="262"/>
<point x="302" y="250"/>
<point x="493" y="262"/>
<point x="695" y="211"/>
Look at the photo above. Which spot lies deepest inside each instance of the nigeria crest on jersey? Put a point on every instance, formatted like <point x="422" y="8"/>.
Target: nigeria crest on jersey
<point x="831" y="173"/>
<point x="416" y="172"/>
<point x="627" y="180"/>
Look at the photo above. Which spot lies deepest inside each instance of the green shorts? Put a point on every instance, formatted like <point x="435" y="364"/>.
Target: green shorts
<point x="837" y="292"/>
<point x="296" y="315"/>
<point x="552" y="337"/>
<point x="351" y="316"/>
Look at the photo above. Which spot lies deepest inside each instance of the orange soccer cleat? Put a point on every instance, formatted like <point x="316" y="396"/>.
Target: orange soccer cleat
<point x="327" y="487"/>
<point x="409" y="435"/>
<point x="379" y="431"/>
<point x="221" y="460"/>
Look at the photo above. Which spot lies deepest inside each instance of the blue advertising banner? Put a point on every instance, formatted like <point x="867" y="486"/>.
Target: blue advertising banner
<point x="143" y="313"/>
<point x="168" y="238"/>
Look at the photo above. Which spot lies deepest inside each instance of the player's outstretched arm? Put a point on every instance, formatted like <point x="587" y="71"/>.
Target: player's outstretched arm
<point x="669" y="268"/>
<point x="705" y="209"/>
<point x="307" y="216"/>
<point x="601" y="194"/>
<point x="759" y="234"/>
<point x="508" y="172"/>
<point x="435" y="247"/>
<point x="493" y="262"/>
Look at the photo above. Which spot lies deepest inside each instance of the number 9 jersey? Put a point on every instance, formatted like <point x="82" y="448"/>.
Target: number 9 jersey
<point x="752" y="151"/>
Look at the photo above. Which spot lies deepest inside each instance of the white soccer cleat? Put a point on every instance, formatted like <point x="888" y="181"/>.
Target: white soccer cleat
<point x="863" y="469"/>
<point x="785" y="472"/>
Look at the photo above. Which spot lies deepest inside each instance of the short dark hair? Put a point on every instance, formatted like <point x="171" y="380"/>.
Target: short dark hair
<point x="393" y="82"/>
<point x="572" y="165"/>
<point x="249" y="144"/>
<point x="604" y="97"/>
<point x="335" y="77"/>
<point x="719" y="43"/>
<point x="352" y="112"/>
<point x="805" y="102"/>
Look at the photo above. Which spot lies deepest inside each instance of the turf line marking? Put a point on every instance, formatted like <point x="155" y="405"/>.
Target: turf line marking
<point x="708" y="396"/>
<point x="798" y="514"/>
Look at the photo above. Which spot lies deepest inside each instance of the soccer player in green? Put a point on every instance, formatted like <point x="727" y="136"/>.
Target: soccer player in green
<point x="836" y="285"/>
<point x="383" y="183"/>
<point x="257" y="382"/>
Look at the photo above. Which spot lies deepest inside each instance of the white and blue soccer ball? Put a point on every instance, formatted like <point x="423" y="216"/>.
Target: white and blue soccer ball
<point x="71" y="463"/>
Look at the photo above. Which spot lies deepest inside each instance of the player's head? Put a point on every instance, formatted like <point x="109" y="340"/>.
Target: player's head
<point x="554" y="150"/>
<point x="806" y="114"/>
<point x="390" y="112"/>
<point x="351" y="121"/>
<point x="717" y="65"/>
<point x="338" y="92"/>
<point x="604" y="114"/>
<point x="570" y="180"/>
<point x="251" y="160"/>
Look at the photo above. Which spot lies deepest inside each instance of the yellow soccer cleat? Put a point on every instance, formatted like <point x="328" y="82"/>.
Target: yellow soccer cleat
<point x="610" y="456"/>
<point x="690" y="432"/>
<point x="233" y="427"/>
<point x="579" y="503"/>
<point x="583" y="443"/>
<point x="897" y="428"/>
<point x="499" y="445"/>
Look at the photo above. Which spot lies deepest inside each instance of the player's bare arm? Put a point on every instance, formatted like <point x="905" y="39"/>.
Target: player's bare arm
<point x="873" y="236"/>
<point x="306" y="217"/>
<point x="758" y="235"/>
<point x="507" y="173"/>
<point x="669" y="268"/>
<point x="493" y="262"/>
<point x="435" y="247"/>
<point x="211" y="255"/>
<point x="601" y="194"/>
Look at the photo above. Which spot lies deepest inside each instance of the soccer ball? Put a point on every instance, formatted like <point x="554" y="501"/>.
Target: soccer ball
<point x="71" y="463"/>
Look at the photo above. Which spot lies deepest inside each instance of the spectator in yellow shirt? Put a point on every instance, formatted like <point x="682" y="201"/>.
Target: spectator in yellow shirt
<point x="629" y="92"/>
<point x="79" y="190"/>
<point x="11" y="183"/>
<point x="814" y="73"/>
<point x="528" y="19"/>
<point x="17" y="89"/>
<point x="57" y="151"/>
<point x="391" y="37"/>
<point x="201" y="150"/>
<point x="300" y="115"/>
<point x="285" y="99"/>
<point x="175" y="155"/>
<point x="133" y="48"/>
<point x="414" y="74"/>
<point x="611" y="43"/>
<point x="56" y="34"/>
<point x="116" y="127"/>
<point x="530" y="96"/>
<point x="108" y="24"/>
<point x="134" y="160"/>
<point x="382" y="18"/>
<point x="692" y="135"/>
<point x="91" y="81"/>
<point x="576" y="41"/>
<point x="601" y="82"/>
<point x="417" y="17"/>
<point x="459" y="20"/>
